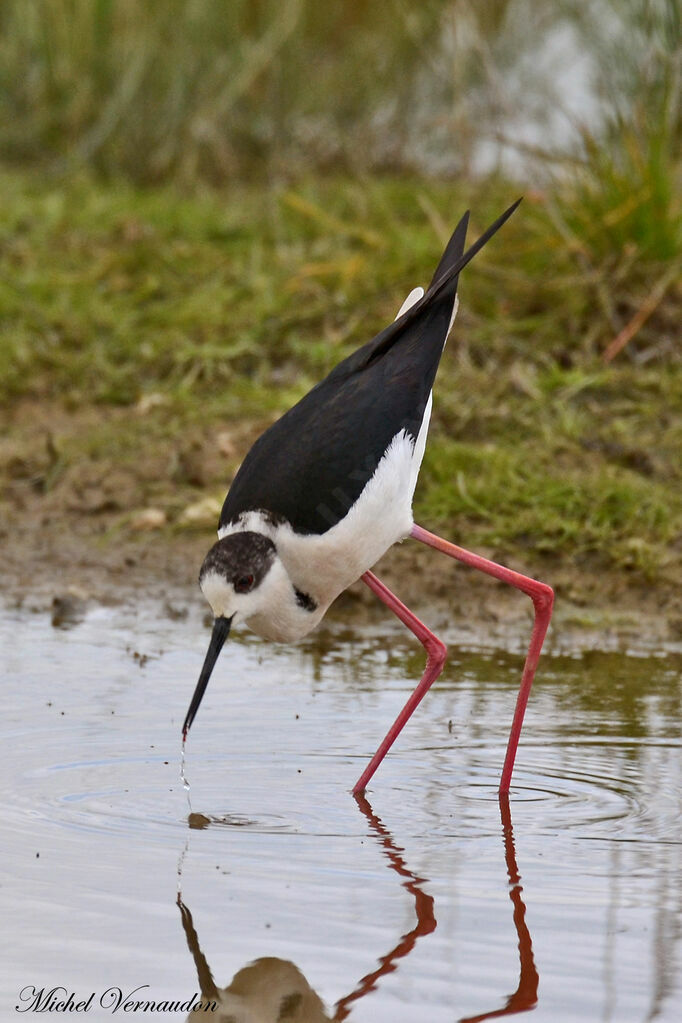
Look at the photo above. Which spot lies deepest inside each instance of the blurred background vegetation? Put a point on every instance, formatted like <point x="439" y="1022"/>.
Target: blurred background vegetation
<point x="209" y="90"/>
<point x="206" y="203"/>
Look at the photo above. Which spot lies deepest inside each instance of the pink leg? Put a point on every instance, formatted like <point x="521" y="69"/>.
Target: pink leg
<point x="543" y="599"/>
<point x="436" y="652"/>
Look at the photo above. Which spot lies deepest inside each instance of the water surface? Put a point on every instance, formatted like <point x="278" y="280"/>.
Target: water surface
<point x="277" y="892"/>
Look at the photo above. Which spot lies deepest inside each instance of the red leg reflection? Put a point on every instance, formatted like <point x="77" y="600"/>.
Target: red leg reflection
<point x="526" y="995"/>
<point x="423" y="904"/>
<point x="280" y="982"/>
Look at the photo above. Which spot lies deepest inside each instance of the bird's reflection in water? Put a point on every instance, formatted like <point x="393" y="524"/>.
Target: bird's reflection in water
<point x="271" y="990"/>
<point x="268" y="990"/>
<point x="526" y="995"/>
<point x="423" y="905"/>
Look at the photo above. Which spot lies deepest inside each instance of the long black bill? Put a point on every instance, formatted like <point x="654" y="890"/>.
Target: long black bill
<point x="221" y="630"/>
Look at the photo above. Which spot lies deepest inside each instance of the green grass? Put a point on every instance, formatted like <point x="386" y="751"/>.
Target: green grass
<point x="206" y="205"/>
<point x="228" y="305"/>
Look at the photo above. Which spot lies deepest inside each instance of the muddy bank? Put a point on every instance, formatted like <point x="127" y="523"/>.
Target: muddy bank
<point x="81" y="526"/>
<point x="62" y="566"/>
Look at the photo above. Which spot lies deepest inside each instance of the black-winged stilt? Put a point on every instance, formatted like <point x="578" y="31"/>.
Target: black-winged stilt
<point x="328" y="488"/>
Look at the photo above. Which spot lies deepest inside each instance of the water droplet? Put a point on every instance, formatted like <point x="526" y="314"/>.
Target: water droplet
<point x="183" y="776"/>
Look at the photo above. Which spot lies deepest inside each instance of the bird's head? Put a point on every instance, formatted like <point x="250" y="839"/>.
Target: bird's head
<point x="234" y="575"/>
<point x="241" y="578"/>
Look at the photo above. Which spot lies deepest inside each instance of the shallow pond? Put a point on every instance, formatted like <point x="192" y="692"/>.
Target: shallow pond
<point x="282" y="897"/>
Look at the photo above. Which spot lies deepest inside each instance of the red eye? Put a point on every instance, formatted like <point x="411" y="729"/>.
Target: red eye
<point x="243" y="583"/>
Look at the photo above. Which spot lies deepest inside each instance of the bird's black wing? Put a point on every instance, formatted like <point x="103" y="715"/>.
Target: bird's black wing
<point x="312" y="464"/>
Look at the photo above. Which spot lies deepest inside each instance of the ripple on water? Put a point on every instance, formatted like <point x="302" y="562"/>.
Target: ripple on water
<point x="149" y="800"/>
<point x="602" y="802"/>
<point x="79" y="796"/>
<point x="266" y="825"/>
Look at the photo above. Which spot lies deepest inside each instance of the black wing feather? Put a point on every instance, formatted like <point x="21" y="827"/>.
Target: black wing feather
<point x="312" y="464"/>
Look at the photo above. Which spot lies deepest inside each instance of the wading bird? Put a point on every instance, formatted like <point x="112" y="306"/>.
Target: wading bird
<point x="328" y="488"/>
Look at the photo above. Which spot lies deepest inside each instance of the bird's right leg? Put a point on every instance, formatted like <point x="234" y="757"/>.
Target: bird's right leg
<point x="542" y="596"/>
<point x="436" y="652"/>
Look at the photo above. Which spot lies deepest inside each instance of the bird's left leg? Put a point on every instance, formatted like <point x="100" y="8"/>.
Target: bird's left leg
<point x="436" y="652"/>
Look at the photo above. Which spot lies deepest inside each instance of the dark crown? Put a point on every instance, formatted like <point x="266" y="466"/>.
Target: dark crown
<point x="242" y="558"/>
